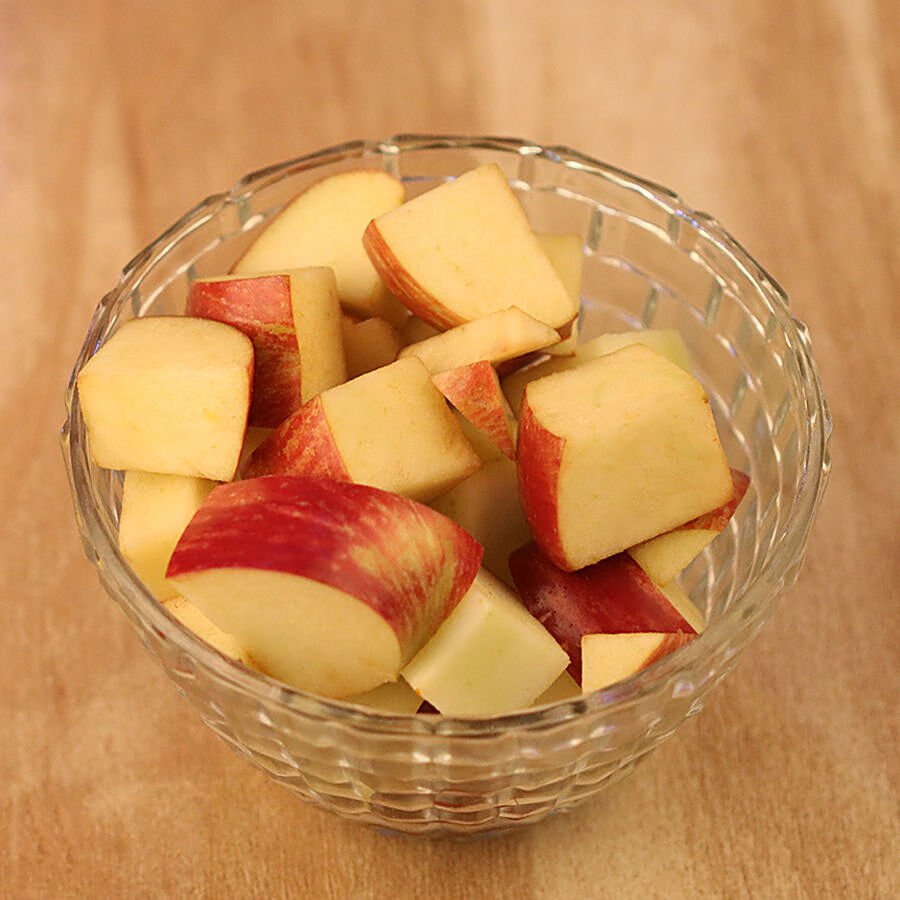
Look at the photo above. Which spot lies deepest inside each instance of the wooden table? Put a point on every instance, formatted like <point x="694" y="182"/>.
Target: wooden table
<point x="781" y="118"/>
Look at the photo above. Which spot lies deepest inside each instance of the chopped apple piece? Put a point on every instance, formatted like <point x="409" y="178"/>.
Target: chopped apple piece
<point x="668" y="342"/>
<point x="169" y="394"/>
<point x="615" y="452"/>
<point x="474" y="390"/>
<point x="494" y="337"/>
<point x="564" y="688"/>
<point x="195" y="621"/>
<point x="566" y="254"/>
<point x="677" y="596"/>
<point x="155" y="511"/>
<point x="487" y="505"/>
<point x="609" y="658"/>
<point x="612" y="596"/>
<point x="331" y="587"/>
<point x="390" y="428"/>
<point x="490" y="655"/>
<point x="664" y="556"/>
<point x="465" y="249"/>
<point x="324" y="227"/>
<point x="415" y="329"/>
<point x="369" y="344"/>
<point x="392" y="697"/>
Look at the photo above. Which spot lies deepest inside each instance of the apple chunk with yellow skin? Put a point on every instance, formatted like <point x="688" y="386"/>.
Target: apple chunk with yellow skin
<point x="609" y="658"/>
<point x="665" y="555"/>
<point x="155" y="511"/>
<point x="369" y="344"/>
<point x="465" y="249"/>
<point x="615" y="452"/>
<point x="490" y="656"/>
<point x="612" y="596"/>
<point x="495" y="337"/>
<point x="390" y="428"/>
<point x="323" y="226"/>
<point x="474" y="390"/>
<point x="331" y="587"/>
<point x="169" y="394"/>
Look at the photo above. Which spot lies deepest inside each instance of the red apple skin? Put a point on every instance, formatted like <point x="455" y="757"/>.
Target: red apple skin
<point x="392" y="553"/>
<point x="612" y="596"/>
<point x="670" y="644"/>
<point x="538" y="462"/>
<point x="474" y="390"/>
<point x="260" y="307"/>
<point x="302" y="445"/>
<point x="716" y="519"/>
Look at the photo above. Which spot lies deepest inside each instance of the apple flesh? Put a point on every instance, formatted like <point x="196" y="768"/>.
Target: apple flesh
<point x="369" y="344"/>
<point x="169" y="394"/>
<point x="390" y="428"/>
<point x="495" y="337"/>
<point x="331" y="587"/>
<point x="615" y="452"/>
<point x="566" y="255"/>
<point x="465" y="249"/>
<point x="392" y="697"/>
<point x="609" y="597"/>
<point x="489" y="656"/>
<point x="610" y="658"/>
<point x="195" y="621"/>
<point x="665" y="555"/>
<point x="474" y="390"/>
<point x="323" y="226"/>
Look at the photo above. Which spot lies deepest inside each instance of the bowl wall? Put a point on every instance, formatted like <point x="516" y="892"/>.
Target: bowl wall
<point x="649" y="261"/>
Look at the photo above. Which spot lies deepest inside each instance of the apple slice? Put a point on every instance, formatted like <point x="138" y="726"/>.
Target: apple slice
<point x="666" y="341"/>
<point x="465" y="249"/>
<point x="677" y="596"/>
<point x="609" y="658"/>
<point x="392" y="697"/>
<point x="331" y="587"/>
<point x="566" y="255"/>
<point x="324" y="227"/>
<point x="195" y="621"/>
<point x="390" y="428"/>
<point x="155" y="511"/>
<point x="665" y="555"/>
<point x="369" y="344"/>
<point x="489" y="656"/>
<point x="615" y="452"/>
<point x="609" y="597"/>
<point x="494" y="337"/>
<point x="169" y="394"/>
<point x="564" y="688"/>
<point x="487" y="505"/>
<point x="474" y="390"/>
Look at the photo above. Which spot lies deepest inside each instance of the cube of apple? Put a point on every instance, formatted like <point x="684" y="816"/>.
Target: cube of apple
<point x="664" y="556"/>
<point x="331" y="587"/>
<point x="489" y="656"/>
<point x="465" y="249"/>
<point x="474" y="390"/>
<point x="323" y="227"/>
<point x="487" y="505"/>
<point x="392" y="697"/>
<point x="610" y="658"/>
<point x="195" y="621"/>
<point x="609" y="597"/>
<point x="666" y="341"/>
<point x="615" y="452"/>
<point x="564" y="688"/>
<point x="390" y="428"/>
<point x="494" y="337"/>
<point x="169" y="394"/>
<point x="566" y="255"/>
<point x="369" y="344"/>
<point x="155" y="511"/>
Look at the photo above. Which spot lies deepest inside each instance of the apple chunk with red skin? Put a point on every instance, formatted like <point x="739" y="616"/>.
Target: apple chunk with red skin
<point x="609" y="658"/>
<point x="465" y="249"/>
<point x="475" y="391"/>
<point x="390" y="428"/>
<point x="665" y="555"/>
<point x="609" y="597"/>
<point x="331" y="587"/>
<point x="615" y="452"/>
<point x="169" y="394"/>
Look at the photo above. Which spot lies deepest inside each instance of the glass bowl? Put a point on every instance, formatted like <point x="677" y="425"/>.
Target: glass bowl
<point x="649" y="261"/>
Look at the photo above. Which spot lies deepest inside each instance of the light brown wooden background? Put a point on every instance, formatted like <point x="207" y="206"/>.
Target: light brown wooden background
<point x="780" y="117"/>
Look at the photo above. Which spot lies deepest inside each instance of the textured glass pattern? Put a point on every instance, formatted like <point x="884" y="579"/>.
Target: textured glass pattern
<point x="649" y="261"/>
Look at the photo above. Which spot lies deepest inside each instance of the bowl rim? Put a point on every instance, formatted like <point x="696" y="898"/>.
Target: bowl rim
<point x="751" y="607"/>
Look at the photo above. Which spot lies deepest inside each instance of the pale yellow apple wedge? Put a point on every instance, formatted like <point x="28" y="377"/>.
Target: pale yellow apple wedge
<point x="610" y="658"/>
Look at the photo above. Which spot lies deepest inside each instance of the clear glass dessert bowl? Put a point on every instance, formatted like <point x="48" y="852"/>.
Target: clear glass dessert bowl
<point x="649" y="261"/>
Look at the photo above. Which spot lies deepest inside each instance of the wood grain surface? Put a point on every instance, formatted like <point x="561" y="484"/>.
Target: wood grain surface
<point x="780" y="118"/>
